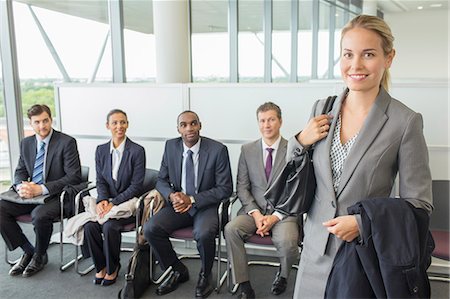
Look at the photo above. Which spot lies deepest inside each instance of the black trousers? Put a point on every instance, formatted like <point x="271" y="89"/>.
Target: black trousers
<point x="205" y="227"/>
<point x="105" y="249"/>
<point x="42" y="216"/>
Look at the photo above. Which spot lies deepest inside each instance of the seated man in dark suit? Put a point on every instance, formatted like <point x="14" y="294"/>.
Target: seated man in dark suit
<point x="48" y="162"/>
<point x="194" y="176"/>
<point x="120" y="167"/>
<point x="260" y="163"/>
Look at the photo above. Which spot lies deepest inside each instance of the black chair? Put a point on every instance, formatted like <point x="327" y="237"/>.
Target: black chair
<point x="186" y="234"/>
<point x="439" y="226"/>
<point x="150" y="179"/>
<point x="27" y="219"/>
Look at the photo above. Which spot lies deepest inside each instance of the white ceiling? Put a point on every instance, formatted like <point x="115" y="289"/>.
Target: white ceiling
<point x="211" y="15"/>
<point x="394" y="6"/>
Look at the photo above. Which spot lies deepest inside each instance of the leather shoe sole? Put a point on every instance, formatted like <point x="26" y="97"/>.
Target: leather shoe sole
<point x="244" y="295"/>
<point x="20" y="266"/>
<point x="165" y="287"/>
<point x="36" y="265"/>
<point x="203" y="293"/>
<point x="279" y="285"/>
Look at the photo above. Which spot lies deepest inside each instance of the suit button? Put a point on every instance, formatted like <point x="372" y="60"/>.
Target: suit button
<point x="333" y="204"/>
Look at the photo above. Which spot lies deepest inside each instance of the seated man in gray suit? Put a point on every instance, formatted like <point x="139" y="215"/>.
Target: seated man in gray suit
<point x="260" y="163"/>
<point x="194" y="177"/>
<point x="48" y="162"/>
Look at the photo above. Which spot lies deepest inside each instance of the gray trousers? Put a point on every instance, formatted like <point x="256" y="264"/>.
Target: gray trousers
<point x="284" y="237"/>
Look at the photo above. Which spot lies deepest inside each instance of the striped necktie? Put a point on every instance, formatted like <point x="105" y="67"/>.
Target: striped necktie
<point x="38" y="171"/>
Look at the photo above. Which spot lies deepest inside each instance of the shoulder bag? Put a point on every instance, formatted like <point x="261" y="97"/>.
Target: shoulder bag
<point x="293" y="190"/>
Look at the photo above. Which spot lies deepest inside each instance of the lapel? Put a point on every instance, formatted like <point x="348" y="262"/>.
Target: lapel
<point x="258" y="155"/>
<point x="178" y="162"/>
<point x="51" y="150"/>
<point x="126" y="153"/>
<point x="373" y="124"/>
<point x="31" y="151"/>
<point x="108" y="166"/>
<point x="280" y="161"/>
<point x="321" y="157"/>
<point x="202" y="160"/>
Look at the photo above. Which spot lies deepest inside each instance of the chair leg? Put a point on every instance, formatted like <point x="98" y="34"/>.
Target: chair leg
<point x="7" y="260"/>
<point x="79" y="257"/>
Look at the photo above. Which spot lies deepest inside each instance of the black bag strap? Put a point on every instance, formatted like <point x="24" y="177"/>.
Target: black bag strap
<point x="328" y="104"/>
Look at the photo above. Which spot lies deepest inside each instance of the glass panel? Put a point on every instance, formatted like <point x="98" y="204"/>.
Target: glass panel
<point x="323" y="46"/>
<point x="139" y="41"/>
<point x="209" y="41"/>
<point x="85" y="22"/>
<point x="5" y="171"/>
<point x="304" y="40"/>
<point x="251" y="41"/>
<point x="340" y="23"/>
<point x="281" y="41"/>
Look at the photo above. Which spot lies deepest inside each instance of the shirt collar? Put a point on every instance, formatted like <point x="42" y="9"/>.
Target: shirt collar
<point x="195" y="148"/>
<point x="46" y="139"/>
<point x="274" y="146"/>
<point x="120" y="148"/>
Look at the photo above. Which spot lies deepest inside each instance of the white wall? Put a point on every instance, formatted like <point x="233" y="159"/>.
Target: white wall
<point x="227" y="112"/>
<point x="422" y="44"/>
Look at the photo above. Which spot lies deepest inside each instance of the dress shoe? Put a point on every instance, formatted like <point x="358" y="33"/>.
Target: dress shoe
<point x="97" y="280"/>
<point x="203" y="288"/>
<point x="247" y="294"/>
<point x="279" y="284"/>
<point x="20" y="266"/>
<point x="108" y="282"/>
<point x="37" y="264"/>
<point x="171" y="283"/>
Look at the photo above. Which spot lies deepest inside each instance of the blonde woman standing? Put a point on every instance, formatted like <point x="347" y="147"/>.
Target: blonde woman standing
<point x="360" y="147"/>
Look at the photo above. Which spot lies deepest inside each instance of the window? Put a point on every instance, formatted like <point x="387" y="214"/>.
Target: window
<point x="76" y="34"/>
<point x="304" y="56"/>
<point x="281" y="41"/>
<point x="139" y="41"/>
<point x="251" y="41"/>
<point x="210" y="41"/>
<point x="5" y="172"/>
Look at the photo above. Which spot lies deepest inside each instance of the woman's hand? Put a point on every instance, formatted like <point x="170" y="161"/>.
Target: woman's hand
<point x="316" y="129"/>
<point x="343" y="227"/>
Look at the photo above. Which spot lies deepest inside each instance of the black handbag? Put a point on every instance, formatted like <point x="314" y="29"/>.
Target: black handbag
<point x="293" y="190"/>
<point x="137" y="279"/>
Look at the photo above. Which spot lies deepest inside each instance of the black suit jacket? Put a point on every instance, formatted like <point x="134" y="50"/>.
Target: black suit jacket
<point x="214" y="173"/>
<point x="62" y="165"/>
<point x="392" y="256"/>
<point x="129" y="178"/>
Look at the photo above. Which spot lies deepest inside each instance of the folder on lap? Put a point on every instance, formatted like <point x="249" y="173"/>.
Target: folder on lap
<point x="12" y="195"/>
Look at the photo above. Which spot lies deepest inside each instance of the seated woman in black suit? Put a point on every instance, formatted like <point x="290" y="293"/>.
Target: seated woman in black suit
<point x="120" y="167"/>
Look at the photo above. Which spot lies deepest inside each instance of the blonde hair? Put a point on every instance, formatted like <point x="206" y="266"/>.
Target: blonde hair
<point x="380" y="27"/>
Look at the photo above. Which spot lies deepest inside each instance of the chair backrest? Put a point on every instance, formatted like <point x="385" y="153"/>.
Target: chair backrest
<point x="84" y="173"/>
<point x="150" y="179"/>
<point x="440" y="217"/>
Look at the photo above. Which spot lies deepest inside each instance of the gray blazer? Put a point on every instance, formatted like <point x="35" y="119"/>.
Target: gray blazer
<point x="391" y="141"/>
<point x="251" y="178"/>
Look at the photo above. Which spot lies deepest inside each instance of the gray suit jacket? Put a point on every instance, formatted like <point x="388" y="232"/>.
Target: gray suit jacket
<point x="251" y="178"/>
<point x="62" y="166"/>
<point x="390" y="141"/>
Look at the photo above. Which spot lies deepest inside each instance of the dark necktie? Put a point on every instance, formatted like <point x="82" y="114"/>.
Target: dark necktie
<point x="190" y="174"/>
<point x="38" y="170"/>
<point x="269" y="162"/>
